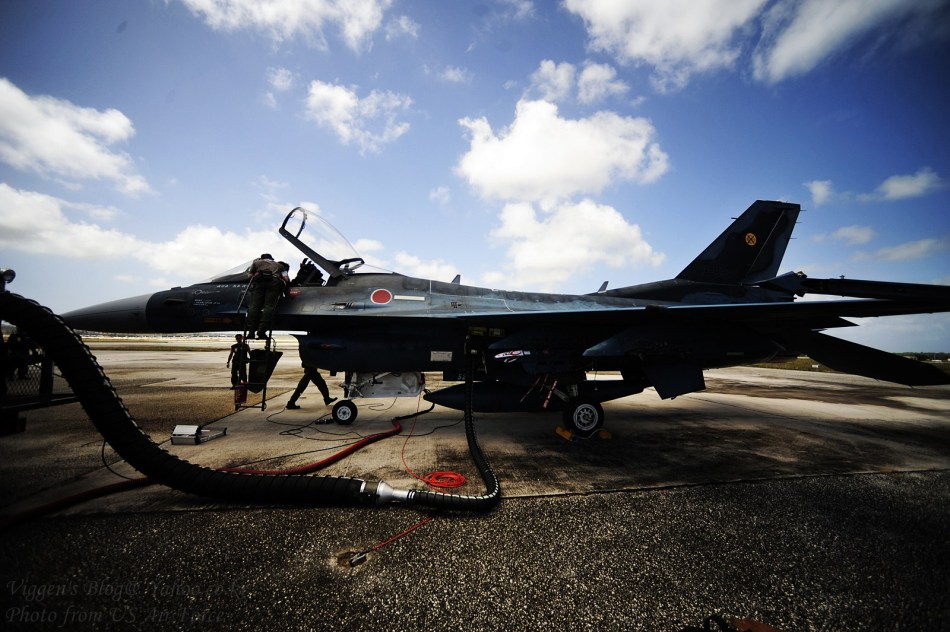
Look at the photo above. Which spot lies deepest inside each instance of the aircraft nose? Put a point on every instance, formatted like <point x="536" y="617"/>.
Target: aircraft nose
<point x="126" y="315"/>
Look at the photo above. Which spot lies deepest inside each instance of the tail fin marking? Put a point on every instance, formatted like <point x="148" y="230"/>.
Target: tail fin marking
<point x="750" y="250"/>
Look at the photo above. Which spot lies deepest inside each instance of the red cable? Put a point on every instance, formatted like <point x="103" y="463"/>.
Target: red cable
<point x="440" y="479"/>
<point x="396" y="537"/>
<point x="74" y="499"/>
<point x="312" y="467"/>
<point x="359" y="558"/>
<point x="435" y="479"/>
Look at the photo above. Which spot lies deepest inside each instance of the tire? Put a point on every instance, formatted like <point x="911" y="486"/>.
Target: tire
<point x="584" y="418"/>
<point x="344" y="413"/>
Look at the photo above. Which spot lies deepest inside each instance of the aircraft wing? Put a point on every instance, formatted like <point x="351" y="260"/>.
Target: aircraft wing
<point x="664" y="336"/>
<point x="777" y="316"/>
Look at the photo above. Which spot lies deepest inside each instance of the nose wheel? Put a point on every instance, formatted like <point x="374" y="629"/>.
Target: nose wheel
<point x="583" y="418"/>
<point x="344" y="412"/>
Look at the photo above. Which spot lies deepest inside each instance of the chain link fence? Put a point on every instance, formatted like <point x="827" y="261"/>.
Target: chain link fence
<point x="29" y="381"/>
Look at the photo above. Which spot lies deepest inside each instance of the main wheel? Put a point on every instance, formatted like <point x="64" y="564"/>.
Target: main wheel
<point x="344" y="412"/>
<point x="583" y="418"/>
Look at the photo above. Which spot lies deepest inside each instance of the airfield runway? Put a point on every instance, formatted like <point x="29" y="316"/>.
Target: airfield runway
<point x="803" y="501"/>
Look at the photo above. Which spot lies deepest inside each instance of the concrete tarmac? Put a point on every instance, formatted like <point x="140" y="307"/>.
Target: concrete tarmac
<point x="803" y="501"/>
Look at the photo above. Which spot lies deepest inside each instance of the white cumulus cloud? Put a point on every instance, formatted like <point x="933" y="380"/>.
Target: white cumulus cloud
<point x="773" y="40"/>
<point x="402" y="26"/>
<point x="454" y="74"/>
<point x="41" y="224"/>
<point x="543" y="157"/>
<point x="800" y="35"/>
<point x="552" y="81"/>
<point x="914" y="250"/>
<point x="557" y="82"/>
<point x="354" y="20"/>
<point x="597" y="82"/>
<point x="678" y="38"/>
<point x="854" y="235"/>
<point x="545" y="249"/>
<point x="893" y="188"/>
<point x="66" y="142"/>
<point x="280" y="79"/>
<point x="899" y="187"/>
<point x="821" y="191"/>
<point x="370" y="122"/>
<point x="412" y="265"/>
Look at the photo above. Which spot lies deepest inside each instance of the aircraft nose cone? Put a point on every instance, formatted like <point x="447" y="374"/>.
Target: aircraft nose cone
<point x="126" y="315"/>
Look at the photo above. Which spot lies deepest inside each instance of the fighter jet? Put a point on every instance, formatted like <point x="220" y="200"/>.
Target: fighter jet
<point x="547" y="352"/>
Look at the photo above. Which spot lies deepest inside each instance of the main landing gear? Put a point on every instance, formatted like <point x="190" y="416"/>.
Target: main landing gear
<point x="583" y="417"/>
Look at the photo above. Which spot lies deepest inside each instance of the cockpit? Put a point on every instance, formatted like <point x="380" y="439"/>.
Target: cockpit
<point x="329" y="257"/>
<point x="333" y="258"/>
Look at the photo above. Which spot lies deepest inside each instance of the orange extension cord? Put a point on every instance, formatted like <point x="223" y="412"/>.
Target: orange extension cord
<point x="441" y="479"/>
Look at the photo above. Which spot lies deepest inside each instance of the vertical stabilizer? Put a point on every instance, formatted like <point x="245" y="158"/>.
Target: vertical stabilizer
<point x="750" y="250"/>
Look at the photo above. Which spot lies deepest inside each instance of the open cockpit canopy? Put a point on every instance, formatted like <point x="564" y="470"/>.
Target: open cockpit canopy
<point x="330" y="257"/>
<point x="325" y="246"/>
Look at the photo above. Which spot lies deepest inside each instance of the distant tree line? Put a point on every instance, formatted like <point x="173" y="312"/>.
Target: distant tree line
<point x="932" y="357"/>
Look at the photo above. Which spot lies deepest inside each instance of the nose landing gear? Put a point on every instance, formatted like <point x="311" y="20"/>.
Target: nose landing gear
<point x="344" y="412"/>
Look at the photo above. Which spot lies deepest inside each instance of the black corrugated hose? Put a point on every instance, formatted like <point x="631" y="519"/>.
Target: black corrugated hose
<point x="492" y="489"/>
<point x="113" y="420"/>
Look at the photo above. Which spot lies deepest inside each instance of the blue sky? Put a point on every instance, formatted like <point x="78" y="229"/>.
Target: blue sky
<point x="525" y="145"/>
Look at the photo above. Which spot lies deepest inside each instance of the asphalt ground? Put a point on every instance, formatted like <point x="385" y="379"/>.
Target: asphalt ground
<point x="802" y="501"/>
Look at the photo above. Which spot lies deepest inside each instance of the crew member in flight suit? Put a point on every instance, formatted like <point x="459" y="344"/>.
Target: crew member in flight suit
<point x="266" y="287"/>
<point x="239" y="354"/>
<point x="311" y="374"/>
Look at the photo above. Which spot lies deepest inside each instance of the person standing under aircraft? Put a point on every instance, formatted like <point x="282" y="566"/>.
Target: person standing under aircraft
<point x="310" y="374"/>
<point x="239" y="354"/>
<point x="265" y="290"/>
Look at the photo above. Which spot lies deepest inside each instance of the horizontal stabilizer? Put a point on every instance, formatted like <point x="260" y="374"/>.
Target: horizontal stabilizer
<point x="799" y="283"/>
<point x="876" y="289"/>
<point x="850" y="357"/>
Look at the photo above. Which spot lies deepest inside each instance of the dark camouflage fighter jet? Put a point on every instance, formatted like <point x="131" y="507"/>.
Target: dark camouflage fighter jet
<point x="534" y="351"/>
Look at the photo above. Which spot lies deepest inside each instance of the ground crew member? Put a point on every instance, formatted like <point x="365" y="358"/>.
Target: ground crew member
<point x="265" y="276"/>
<point x="310" y="374"/>
<point x="239" y="354"/>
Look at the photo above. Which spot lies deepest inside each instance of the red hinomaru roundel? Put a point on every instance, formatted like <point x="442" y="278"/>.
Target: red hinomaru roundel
<point x="381" y="296"/>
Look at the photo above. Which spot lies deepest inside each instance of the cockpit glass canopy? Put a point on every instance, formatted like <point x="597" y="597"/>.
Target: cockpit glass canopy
<point x="237" y="273"/>
<point x="319" y="241"/>
<point x="320" y="235"/>
<point x="323" y="244"/>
